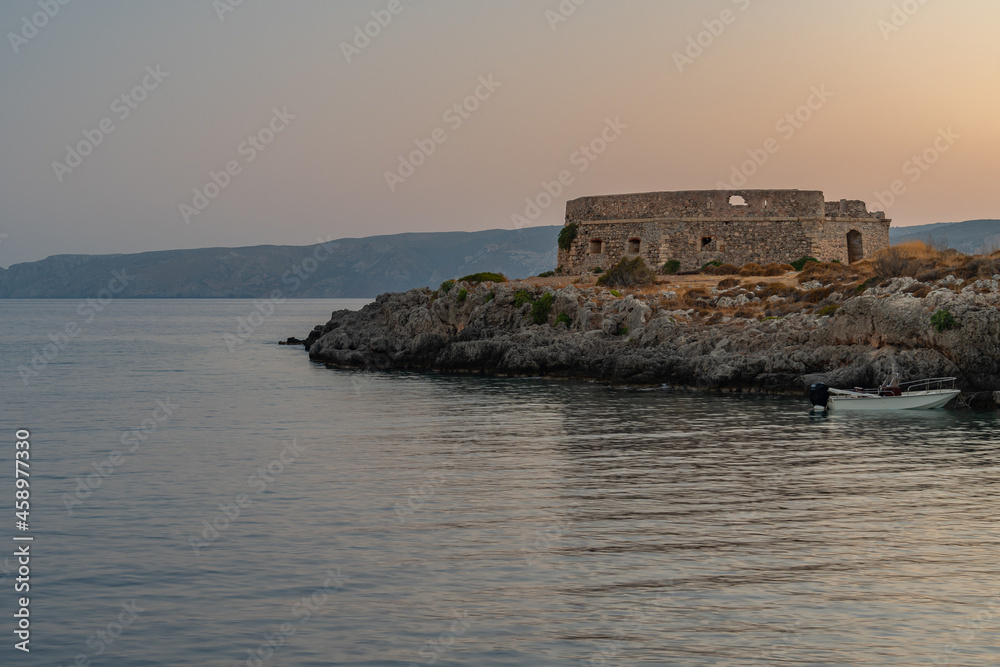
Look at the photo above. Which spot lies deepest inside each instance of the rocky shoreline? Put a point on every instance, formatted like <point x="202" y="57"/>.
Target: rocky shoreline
<point x="591" y="333"/>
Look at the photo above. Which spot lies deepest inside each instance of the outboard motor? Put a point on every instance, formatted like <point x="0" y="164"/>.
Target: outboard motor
<point x="819" y="395"/>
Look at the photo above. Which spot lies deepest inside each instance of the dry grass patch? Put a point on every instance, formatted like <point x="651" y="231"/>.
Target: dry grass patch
<point x="769" y="270"/>
<point x="927" y="264"/>
<point x="778" y="289"/>
<point x="723" y="270"/>
<point x="817" y="295"/>
<point x="696" y="298"/>
<point x="830" y="272"/>
<point x="752" y="269"/>
<point x="774" y="269"/>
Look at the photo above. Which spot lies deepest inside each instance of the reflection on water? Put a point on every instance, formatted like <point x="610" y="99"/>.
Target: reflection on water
<point x="468" y="521"/>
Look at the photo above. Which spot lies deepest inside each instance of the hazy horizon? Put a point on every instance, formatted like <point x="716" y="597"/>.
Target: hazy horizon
<point x="289" y="121"/>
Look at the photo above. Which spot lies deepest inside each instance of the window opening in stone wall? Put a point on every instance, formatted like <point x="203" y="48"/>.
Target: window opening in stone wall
<point x="596" y="246"/>
<point x="737" y="200"/>
<point x="633" y="245"/>
<point x="707" y="243"/>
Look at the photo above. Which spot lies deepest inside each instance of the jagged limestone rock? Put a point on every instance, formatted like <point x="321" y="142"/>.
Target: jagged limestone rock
<point x="629" y="340"/>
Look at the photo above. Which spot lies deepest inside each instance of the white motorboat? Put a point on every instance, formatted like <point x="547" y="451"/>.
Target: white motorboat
<point x="917" y="395"/>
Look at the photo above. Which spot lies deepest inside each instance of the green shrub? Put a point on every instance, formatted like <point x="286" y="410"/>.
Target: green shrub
<point x="559" y="269"/>
<point x="541" y="309"/>
<point x="866" y="284"/>
<point x="615" y="293"/>
<point x="563" y="319"/>
<point x="462" y="295"/>
<point x="628" y="273"/>
<point x="828" y="311"/>
<point x="446" y="286"/>
<point x="483" y="277"/>
<point x="714" y="262"/>
<point x="567" y="235"/>
<point x="597" y="270"/>
<point x="623" y="331"/>
<point x="522" y="297"/>
<point x="800" y="263"/>
<point x="490" y="297"/>
<point x="671" y="267"/>
<point x="942" y="320"/>
<point x="546" y="274"/>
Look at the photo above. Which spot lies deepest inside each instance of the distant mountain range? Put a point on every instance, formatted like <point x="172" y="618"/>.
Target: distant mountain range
<point x="362" y="267"/>
<point x="968" y="237"/>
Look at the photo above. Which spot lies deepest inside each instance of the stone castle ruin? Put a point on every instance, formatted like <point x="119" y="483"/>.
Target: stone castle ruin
<point x="731" y="226"/>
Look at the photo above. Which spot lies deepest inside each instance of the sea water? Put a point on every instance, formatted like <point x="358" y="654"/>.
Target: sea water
<point x="200" y="495"/>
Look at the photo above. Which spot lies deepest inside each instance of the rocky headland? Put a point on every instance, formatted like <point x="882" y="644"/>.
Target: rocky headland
<point x="720" y="338"/>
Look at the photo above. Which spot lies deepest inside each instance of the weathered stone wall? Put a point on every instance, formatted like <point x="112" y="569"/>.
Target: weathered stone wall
<point x="614" y="238"/>
<point x="698" y="204"/>
<point x="829" y="237"/>
<point x="696" y="227"/>
<point x="736" y="242"/>
<point x="850" y="208"/>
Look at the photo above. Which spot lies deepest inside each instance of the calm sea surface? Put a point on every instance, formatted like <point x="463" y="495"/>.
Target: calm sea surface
<point x="194" y="504"/>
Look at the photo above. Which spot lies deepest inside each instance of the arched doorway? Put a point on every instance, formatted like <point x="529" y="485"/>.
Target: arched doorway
<point x="855" y="246"/>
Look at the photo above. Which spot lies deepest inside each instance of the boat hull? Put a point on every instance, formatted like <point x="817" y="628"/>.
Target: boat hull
<point x="919" y="400"/>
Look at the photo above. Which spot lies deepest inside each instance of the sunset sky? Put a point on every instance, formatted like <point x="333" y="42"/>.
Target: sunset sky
<point x="312" y="116"/>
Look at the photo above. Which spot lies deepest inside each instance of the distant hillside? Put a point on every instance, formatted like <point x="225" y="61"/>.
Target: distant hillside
<point x="362" y="267"/>
<point x="968" y="237"/>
